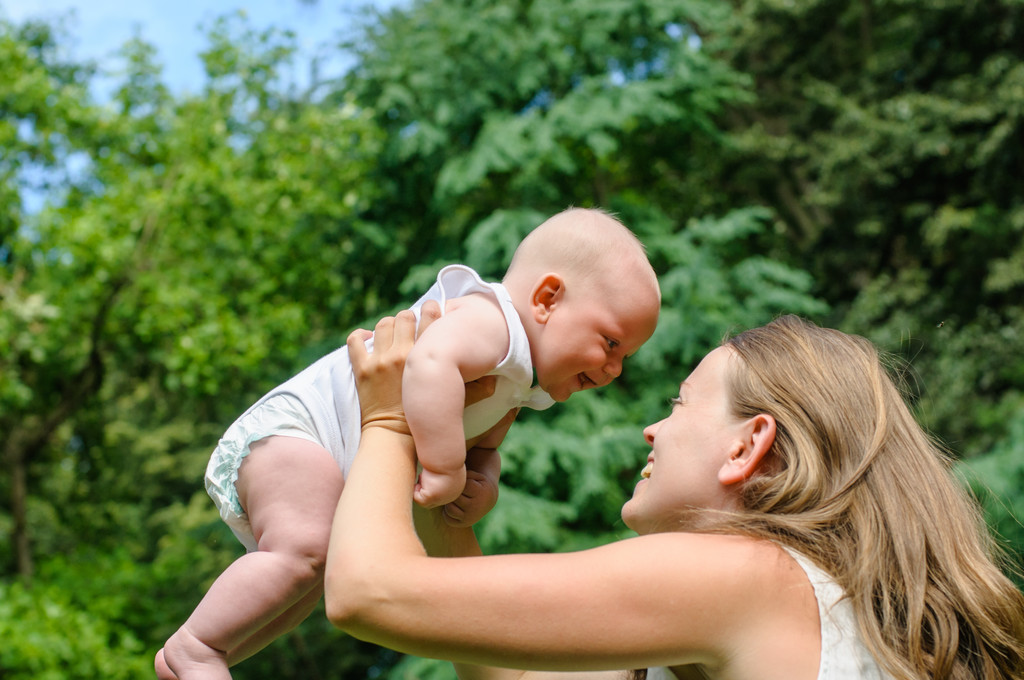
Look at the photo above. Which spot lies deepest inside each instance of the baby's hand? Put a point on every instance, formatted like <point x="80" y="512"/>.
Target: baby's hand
<point x="437" y="488"/>
<point x="483" y="466"/>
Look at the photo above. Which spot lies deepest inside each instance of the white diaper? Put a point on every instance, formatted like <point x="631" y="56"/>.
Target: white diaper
<point x="281" y="414"/>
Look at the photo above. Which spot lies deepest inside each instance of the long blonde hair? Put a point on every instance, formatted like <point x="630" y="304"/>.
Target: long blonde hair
<point x="855" y="484"/>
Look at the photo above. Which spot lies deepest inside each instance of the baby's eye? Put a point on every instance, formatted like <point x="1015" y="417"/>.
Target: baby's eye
<point x="612" y="344"/>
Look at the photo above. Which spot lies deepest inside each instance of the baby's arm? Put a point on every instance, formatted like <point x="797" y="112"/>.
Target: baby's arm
<point x="465" y="344"/>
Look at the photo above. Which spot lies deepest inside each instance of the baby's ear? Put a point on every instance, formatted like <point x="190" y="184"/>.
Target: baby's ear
<point x="547" y="294"/>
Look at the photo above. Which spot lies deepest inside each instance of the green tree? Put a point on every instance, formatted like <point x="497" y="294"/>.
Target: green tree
<point x="997" y="478"/>
<point x="505" y="106"/>
<point x="202" y="250"/>
<point x="888" y="138"/>
<point x="47" y="638"/>
<point x="874" y="145"/>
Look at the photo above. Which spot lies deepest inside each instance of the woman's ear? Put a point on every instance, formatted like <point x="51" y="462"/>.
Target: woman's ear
<point x="547" y="294"/>
<point x="755" y="440"/>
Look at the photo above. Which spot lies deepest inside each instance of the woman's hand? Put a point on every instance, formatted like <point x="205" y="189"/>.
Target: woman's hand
<point x="378" y="374"/>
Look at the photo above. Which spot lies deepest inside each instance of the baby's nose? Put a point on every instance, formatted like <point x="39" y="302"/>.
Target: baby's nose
<point x="613" y="368"/>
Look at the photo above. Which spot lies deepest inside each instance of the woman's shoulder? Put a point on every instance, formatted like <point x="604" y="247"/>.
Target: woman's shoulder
<point x="744" y="576"/>
<point x="741" y="553"/>
<point x="757" y="603"/>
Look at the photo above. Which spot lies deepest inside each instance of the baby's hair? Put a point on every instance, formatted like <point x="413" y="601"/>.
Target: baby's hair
<point x="586" y="242"/>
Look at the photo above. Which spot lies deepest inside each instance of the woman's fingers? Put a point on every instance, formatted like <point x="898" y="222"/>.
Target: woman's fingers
<point x="378" y="374"/>
<point x="356" y="343"/>
<point x="393" y="338"/>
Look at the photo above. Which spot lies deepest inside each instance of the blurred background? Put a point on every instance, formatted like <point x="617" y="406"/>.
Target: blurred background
<point x="192" y="213"/>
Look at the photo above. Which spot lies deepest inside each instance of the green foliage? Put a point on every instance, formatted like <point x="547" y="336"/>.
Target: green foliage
<point x="42" y="123"/>
<point x="48" y="637"/>
<point x="888" y="139"/>
<point x="997" y="478"/>
<point x="203" y="246"/>
<point x="414" y="668"/>
<point x="165" y="259"/>
<point x="493" y="108"/>
<point x="215" y="239"/>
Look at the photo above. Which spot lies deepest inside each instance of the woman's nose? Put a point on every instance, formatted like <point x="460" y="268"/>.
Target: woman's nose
<point x="649" y="433"/>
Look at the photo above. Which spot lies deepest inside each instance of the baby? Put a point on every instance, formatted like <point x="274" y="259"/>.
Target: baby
<point x="579" y="297"/>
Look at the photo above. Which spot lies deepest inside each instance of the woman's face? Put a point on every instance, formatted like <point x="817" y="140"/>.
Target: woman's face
<point x="688" y="449"/>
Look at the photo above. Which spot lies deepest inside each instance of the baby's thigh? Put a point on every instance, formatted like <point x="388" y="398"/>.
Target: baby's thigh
<point x="289" y="487"/>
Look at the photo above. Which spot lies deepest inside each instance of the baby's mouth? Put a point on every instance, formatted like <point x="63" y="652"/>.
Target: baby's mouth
<point x="585" y="381"/>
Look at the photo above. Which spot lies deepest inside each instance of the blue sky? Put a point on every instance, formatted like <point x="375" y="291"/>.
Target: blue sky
<point x="99" y="27"/>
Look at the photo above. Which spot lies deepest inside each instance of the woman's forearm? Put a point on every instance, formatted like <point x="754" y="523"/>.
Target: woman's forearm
<point x="373" y="522"/>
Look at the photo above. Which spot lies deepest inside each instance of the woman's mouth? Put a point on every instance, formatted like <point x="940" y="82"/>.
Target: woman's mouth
<point x="646" y="472"/>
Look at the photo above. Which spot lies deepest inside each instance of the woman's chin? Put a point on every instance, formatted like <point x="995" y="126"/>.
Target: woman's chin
<point x="630" y="517"/>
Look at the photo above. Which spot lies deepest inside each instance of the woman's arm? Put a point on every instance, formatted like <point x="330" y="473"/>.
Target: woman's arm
<point x="440" y="539"/>
<point x="657" y="600"/>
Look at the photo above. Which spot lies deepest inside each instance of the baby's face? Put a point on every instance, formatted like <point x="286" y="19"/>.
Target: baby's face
<point x="586" y="339"/>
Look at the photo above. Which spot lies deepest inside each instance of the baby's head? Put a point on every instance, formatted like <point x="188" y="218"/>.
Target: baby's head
<point x="587" y="296"/>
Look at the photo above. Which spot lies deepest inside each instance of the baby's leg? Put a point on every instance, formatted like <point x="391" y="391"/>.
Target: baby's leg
<point x="289" y="488"/>
<point x="263" y="637"/>
<point x="298" y="613"/>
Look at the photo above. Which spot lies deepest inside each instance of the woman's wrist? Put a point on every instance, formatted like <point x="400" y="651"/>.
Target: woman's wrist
<point x="391" y="423"/>
<point x="388" y="440"/>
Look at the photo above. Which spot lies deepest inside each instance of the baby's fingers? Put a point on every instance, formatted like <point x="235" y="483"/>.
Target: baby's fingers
<point x="429" y="313"/>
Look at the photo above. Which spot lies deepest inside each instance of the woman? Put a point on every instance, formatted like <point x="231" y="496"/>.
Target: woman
<point x="789" y="473"/>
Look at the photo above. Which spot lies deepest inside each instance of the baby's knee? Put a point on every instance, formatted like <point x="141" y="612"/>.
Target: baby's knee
<point x="315" y="561"/>
<point x="303" y="563"/>
<point x="302" y="551"/>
